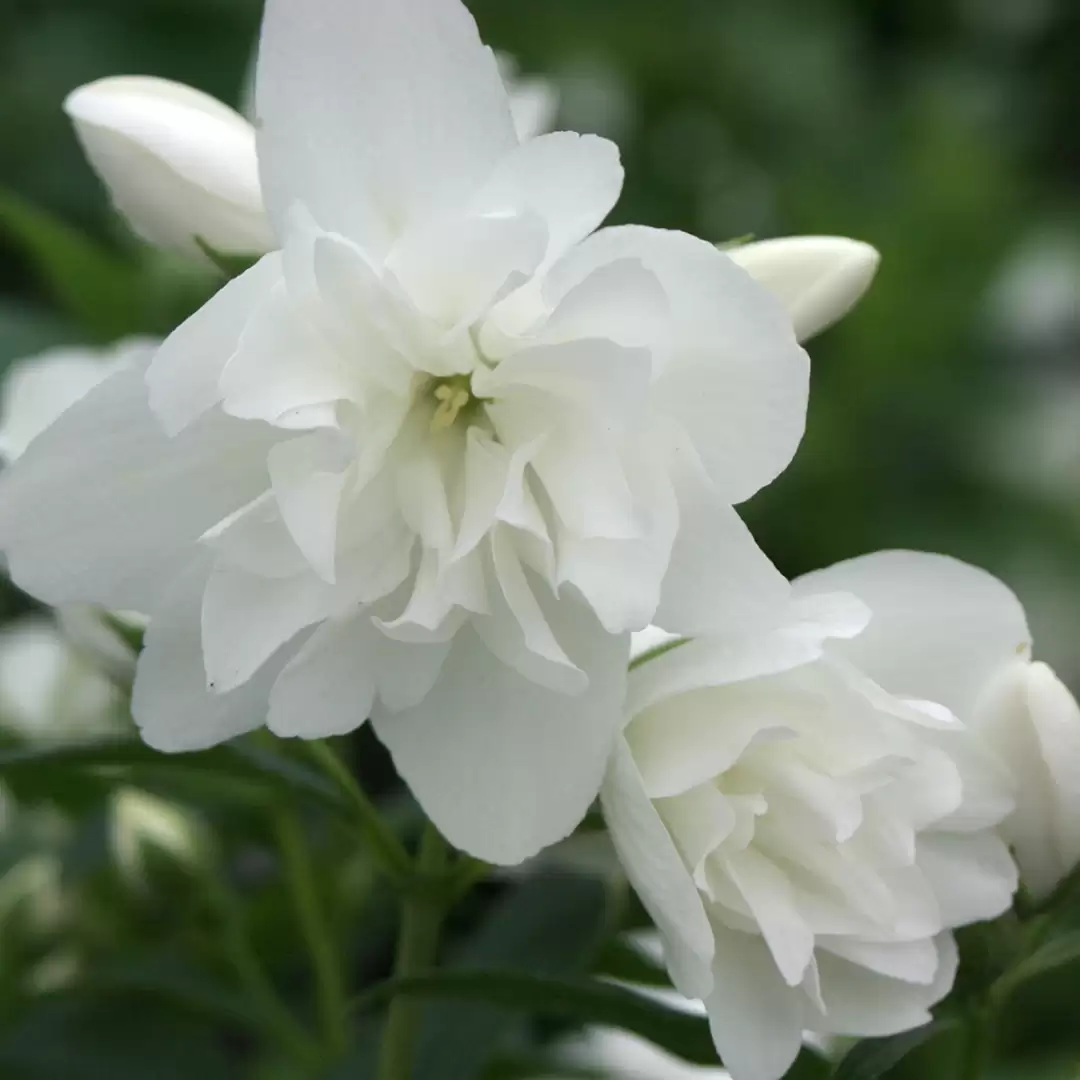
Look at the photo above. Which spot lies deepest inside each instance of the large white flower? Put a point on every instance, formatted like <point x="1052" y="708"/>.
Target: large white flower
<point x="436" y="457"/>
<point x="952" y="632"/>
<point x="803" y="839"/>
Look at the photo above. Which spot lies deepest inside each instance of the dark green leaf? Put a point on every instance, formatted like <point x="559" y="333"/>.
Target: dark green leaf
<point x="109" y="1040"/>
<point x="1059" y="952"/>
<point x="873" y="1058"/>
<point x="621" y="959"/>
<point x="35" y="768"/>
<point x="585" y="1001"/>
<point x="92" y="285"/>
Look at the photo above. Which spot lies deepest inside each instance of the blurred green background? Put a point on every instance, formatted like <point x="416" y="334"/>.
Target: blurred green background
<point x="945" y="414"/>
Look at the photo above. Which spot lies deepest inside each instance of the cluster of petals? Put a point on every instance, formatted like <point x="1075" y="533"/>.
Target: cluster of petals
<point x="806" y="815"/>
<point x="435" y="455"/>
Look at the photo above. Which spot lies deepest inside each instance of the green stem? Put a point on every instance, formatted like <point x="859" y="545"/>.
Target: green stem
<point x="329" y="981"/>
<point x="417" y="950"/>
<point x="277" y="1020"/>
<point x="382" y="841"/>
<point x="980" y="1044"/>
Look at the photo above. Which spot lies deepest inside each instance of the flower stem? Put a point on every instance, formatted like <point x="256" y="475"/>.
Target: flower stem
<point x="278" y="1021"/>
<point x="417" y="950"/>
<point x="386" y="847"/>
<point x="978" y="1053"/>
<point x="329" y="981"/>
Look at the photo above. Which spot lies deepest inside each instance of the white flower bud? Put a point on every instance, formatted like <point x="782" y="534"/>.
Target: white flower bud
<point x="819" y="279"/>
<point x="1029" y="717"/>
<point x="178" y="164"/>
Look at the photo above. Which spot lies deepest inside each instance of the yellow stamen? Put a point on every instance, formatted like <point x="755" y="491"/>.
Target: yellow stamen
<point x="452" y="399"/>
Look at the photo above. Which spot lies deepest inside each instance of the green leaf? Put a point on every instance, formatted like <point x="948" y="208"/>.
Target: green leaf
<point x="110" y="1040"/>
<point x="31" y="770"/>
<point x="623" y="960"/>
<point x="92" y="285"/>
<point x="25" y="331"/>
<point x="1056" y="953"/>
<point x="586" y="1001"/>
<point x="873" y="1058"/>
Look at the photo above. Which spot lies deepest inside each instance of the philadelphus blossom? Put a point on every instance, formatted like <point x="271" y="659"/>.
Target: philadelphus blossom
<point x="183" y="167"/>
<point x="435" y="458"/>
<point x="954" y="633"/>
<point x="803" y="839"/>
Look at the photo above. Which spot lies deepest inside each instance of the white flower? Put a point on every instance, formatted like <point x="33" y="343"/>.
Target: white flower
<point x="819" y="279"/>
<point x="182" y="167"/>
<point x="955" y="633"/>
<point x="803" y="840"/>
<point x="434" y="459"/>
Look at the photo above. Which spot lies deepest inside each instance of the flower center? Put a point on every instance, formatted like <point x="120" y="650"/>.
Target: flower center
<point x="453" y="397"/>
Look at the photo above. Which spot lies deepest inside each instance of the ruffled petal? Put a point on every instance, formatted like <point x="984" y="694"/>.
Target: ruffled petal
<point x="376" y="114"/>
<point x="502" y="766"/>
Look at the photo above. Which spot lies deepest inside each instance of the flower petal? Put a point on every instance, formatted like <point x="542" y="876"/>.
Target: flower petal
<point x="183" y="377"/>
<point x="516" y="630"/>
<point x="818" y="279"/>
<point x="329" y="686"/>
<point x="456" y="269"/>
<point x="859" y="1001"/>
<point x="940" y="628"/>
<point x="282" y="364"/>
<point x="572" y="181"/>
<point x="502" y="766"/>
<point x="753" y="1015"/>
<point x="736" y="382"/>
<point x="247" y="618"/>
<point x="718" y="579"/>
<point x="82" y="513"/>
<point x="973" y="875"/>
<point x="170" y="702"/>
<point x="376" y="113"/>
<point x="308" y="478"/>
<point x="657" y="872"/>
<point x="37" y="390"/>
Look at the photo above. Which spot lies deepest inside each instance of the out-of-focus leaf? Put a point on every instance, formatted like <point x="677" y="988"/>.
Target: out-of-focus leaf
<point x="1058" y="952"/>
<point x="172" y="980"/>
<point x="92" y="285"/>
<point x="37" y="769"/>
<point x="622" y="959"/>
<point x="588" y="1001"/>
<point x="870" y="1059"/>
<point x="82" y="1040"/>
<point x="25" y="332"/>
